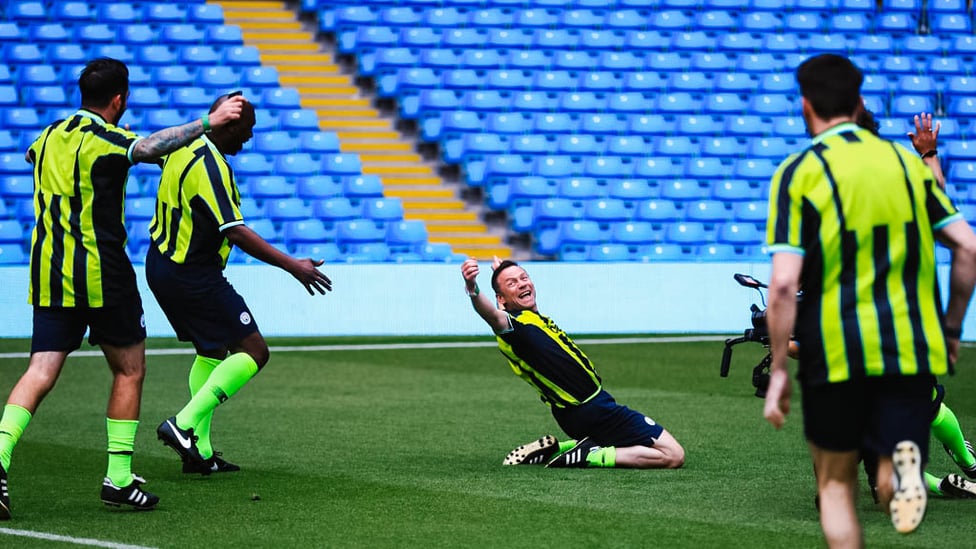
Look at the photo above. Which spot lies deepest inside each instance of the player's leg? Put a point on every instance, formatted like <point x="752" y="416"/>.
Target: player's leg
<point x="120" y="332"/>
<point x="836" y="490"/>
<point x="203" y="365"/>
<point x="946" y="429"/>
<point x="666" y="453"/>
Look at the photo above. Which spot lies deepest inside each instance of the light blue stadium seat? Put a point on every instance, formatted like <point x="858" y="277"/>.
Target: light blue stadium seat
<point x="501" y="38"/>
<point x="685" y="190"/>
<point x="535" y="18"/>
<point x="656" y="167"/>
<point x="636" y="233"/>
<point x="493" y="100"/>
<point x="910" y="105"/>
<point x="13" y="254"/>
<point x="66" y="54"/>
<point x="296" y="232"/>
<point x="264" y="187"/>
<point x="951" y="23"/>
<point x="776" y="148"/>
<point x="606" y="210"/>
<point x="645" y="81"/>
<point x="958" y="149"/>
<point x="316" y="187"/>
<point x="717" y="252"/>
<point x="623" y="61"/>
<point x="296" y="164"/>
<point x="28" y="54"/>
<point x="156" y="54"/>
<point x="571" y="102"/>
<point x="578" y="188"/>
<point x="508" y="79"/>
<point x="788" y="126"/>
<point x="218" y="78"/>
<point x="46" y="97"/>
<point x="633" y="190"/>
<point x="524" y="190"/>
<point x="247" y="164"/>
<point x="580" y="19"/>
<point x="528" y="144"/>
<point x="689" y="232"/>
<point x="358" y="231"/>
<point x="362" y="186"/>
<point x="241" y="55"/>
<point x="554" y="80"/>
<point x="557" y="166"/>
<point x="286" y="209"/>
<point x="164" y="13"/>
<point x="137" y="34"/>
<point x="24" y="118"/>
<point x="16" y="183"/>
<point x="555" y="39"/>
<point x="889" y="22"/>
<point x="9" y="96"/>
<point x="10" y="32"/>
<point x="663" y="252"/>
<point x="496" y="122"/>
<point x="140" y="209"/>
<point x="553" y="123"/>
<point x="491" y="17"/>
<point x="182" y="34"/>
<point x="265" y="229"/>
<point x="628" y="103"/>
<point x="437" y="251"/>
<point x="772" y="104"/>
<point x="725" y="103"/>
<point x="873" y="44"/>
<point x="223" y="35"/>
<point x="122" y="52"/>
<point x="712" y="61"/>
<point x="599" y="81"/>
<point x="946" y="66"/>
<point x="528" y="59"/>
<point x="962" y="107"/>
<point x="721" y="146"/>
<point x="608" y="253"/>
<point x="679" y="102"/>
<point x="628" y="145"/>
<point x="8" y="141"/>
<point x="691" y="81"/>
<point x="342" y="164"/>
<point x="699" y="125"/>
<point x="173" y="76"/>
<point x="755" y="168"/>
<point x="657" y="211"/>
<point x="336" y="208"/>
<point x="736" y="190"/>
<point x="191" y="98"/>
<point x="649" y="41"/>
<point x="760" y="21"/>
<point x="406" y="235"/>
<point x="200" y="55"/>
<point x="740" y="233"/>
<point x="259" y="77"/>
<point x="580" y="144"/>
<point x="573" y="60"/>
<point x="299" y="120"/>
<point x="208" y="14"/>
<point x="49" y="32"/>
<point x="752" y="211"/>
<point x="707" y="168"/>
<point x="462" y="79"/>
<point x="94" y="33"/>
<point x="962" y="172"/>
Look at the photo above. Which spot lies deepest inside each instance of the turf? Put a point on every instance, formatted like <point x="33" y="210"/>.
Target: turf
<point x="403" y="448"/>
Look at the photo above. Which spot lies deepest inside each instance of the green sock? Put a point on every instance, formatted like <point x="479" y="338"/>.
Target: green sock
<point x="565" y="445"/>
<point x="121" y="442"/>
<point x="226" y="379"/>
<point x="199" y="373"/>
<point x="946" y="429"/>
<point x="604" y="457"/>
<point x="933" y="483"/>
<point x="12" y="425"/>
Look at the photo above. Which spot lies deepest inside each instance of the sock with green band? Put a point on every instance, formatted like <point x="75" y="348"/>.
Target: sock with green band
<point x="946" y="429"/>
<point x="226" y="379"/>
<point x="12" y="424"/>
<point x="121" y="442"/>
<point x="199" y="373"/>
<point x="933" y="484"/>
<point x="604" y="457"/>
<point x="565" y="445"/>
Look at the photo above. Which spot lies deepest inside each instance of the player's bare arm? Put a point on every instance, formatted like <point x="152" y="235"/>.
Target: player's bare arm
<point x="168" y="140"/>
<point x="496" y="318"/>
<point x="304" y="270"/>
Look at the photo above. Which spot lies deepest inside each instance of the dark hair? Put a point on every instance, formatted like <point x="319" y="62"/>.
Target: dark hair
<point x="498" y="271"/>
<point x="865" y="119"/>
<point x="101" y="80"/>
<point x="220" y="100"/>
<point x="832" y="85"/>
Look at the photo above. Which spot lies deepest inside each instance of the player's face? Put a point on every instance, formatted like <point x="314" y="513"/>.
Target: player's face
<point x="240" y="132"/>
<point x="515" y="290"/>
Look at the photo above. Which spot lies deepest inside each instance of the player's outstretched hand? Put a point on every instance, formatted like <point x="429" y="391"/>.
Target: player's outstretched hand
<point x="306" y="272"/>
<point x="777" y="404"/>
<point x="227" y="111"/>
<point x="926" y="136"/>
<point x="470" y="270"/>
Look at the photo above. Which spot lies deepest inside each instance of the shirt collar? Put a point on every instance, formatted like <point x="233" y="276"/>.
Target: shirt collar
<point x="93" y="115"/>
<point x="839" y="128"/>
<point x="213" y="147"/>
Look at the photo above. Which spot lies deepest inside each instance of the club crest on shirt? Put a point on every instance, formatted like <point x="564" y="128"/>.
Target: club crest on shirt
<point x="245" y="318"/>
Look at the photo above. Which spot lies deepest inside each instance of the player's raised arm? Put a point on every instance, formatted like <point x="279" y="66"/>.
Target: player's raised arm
<point x="496" y="318"/>
<point x="168" y="140"/>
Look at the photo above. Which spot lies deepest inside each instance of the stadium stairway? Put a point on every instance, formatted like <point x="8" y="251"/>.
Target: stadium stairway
<point x="272" y="28"/>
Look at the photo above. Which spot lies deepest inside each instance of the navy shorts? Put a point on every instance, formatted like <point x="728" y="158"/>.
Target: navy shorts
<point x="63" y="328"/>
<point x="199" y="302"/>
<point x="873" y="413"/>
<point x="607" y="423"/>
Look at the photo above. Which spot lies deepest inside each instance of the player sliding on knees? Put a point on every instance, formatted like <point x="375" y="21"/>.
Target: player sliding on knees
<point x="602" y="432"/>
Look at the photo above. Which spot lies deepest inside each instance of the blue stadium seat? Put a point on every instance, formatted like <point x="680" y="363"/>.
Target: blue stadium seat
<point x="362" y="186"/>
<point x="9" y="96"/>
<point x="890" y="22"/>
<point x="28" y="54"/>
<point x="177" y="75"/>
<point x="580" y="144"/>
<point x="607" y="210"/>
<point x="299" y="120"/>
<point x="16" y="183"/>
<point x="264" y="187"/>
<point x="49" y="32"/>
<point x="66" y="54"/>
<point x="556" y="166"/>
<point x="685" y="190"/>
<point x="336" y="208"/>
<point x="223" y="35"/>
<point x="655" y="167"/>
<point x="740" y="233"/>
<point x="94" y="33"/>
<point x="357" y="231"/>
<point x="437" y="251"/>
<point x="164" y="13"/>
<point x="248" y="164"/>
<point x="121" y="52"/>
<point x="608" y="252"/>
<point x="200" y="55"/>
<point x="297" y="232"/>
<point x="408" y="234"/>
<point x="528" y="59"/>
<point x="873" y="44"/>
<point x="717" y="252"/>
<point x="679" y="102"/>
<point x="13" y="254"/>
<point x="342" y="164"/>
<point x="725" y="103"/>
<point x="755" y="168"/>
<point x="689" y="232"/>
<point x="628" y="61"/>
<point x="752" y="211"/>
<point x="579" y="188"/>
<point x="552" y="123"/>
<point x="190" y="98"/>
<point x="580" y="19"/>
<point x="208" y="14"/>
<point x="218" y="78"/>
<point x="286" y="209"/>
<point x="137" y="34"/>
<point x="910" y="105"/>
<point x="140" y="209"/>
<point x="700" y="125"/>
<point x="25" y="118"/>
<point x="46" y="97"/>
<point x="555" y="39"/>
<point x="636" y="232"/>
<point x="553" y="80"/>
<point x="527" y="144"/>
<point x="760" y="21"/>
<point x="242" y="55"/>
<point x="772" y="104"/>
<point x="951" y="23"/>
<point x="663" y="252"/>
<point x="735" y="190"/>
<point x="265" y="228"/>
<point x="657" y="211"/>
<point x="317" y="142"/>
<point x="599" y="81"/>
<point x="316" y="187"/>
<point x="296" y="164"/>
<point x="259" y="77"/>
<point x="962" y="107"/>
<point x="156" y="54"/>
<point x="596" y="123"/>
<point x="182" y="34"/>
<point x="645" y="81"/>
<point x="14" y="164"/>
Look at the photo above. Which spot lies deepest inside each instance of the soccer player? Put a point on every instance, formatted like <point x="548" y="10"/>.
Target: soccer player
<point x="197" y="221"/>
<point x="853" y="220"/>
<point x="607" y="434"/>
<point x="80" y="275"/>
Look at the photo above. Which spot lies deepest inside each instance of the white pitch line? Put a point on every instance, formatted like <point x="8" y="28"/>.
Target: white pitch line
<point x="398" y="346"/>
<point x="68" y="539"/>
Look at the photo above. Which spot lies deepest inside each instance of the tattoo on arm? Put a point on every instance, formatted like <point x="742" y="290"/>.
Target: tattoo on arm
<point x="166" y="141"/>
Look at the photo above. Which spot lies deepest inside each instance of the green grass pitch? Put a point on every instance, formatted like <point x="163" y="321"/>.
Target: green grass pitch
<point x="403" y="448"/>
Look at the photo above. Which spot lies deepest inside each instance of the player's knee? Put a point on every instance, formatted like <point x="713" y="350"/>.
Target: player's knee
<point x="676" y="457"/>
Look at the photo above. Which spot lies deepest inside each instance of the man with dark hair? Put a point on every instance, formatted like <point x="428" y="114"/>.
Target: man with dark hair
<point x="605" y="433"/>
<point x="80" y="275"/>
<point x="197" y="221"/>
<point x="853" y="220"/>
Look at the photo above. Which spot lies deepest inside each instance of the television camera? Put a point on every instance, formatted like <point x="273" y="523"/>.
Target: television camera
<point x="758" y="334"/>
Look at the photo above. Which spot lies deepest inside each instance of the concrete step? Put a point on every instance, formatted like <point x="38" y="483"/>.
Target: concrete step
<point x="433" y="216"/>
<point x="380" y="157"/>
<point x="394" y="146"/>
<point x="397" y="170"/>
<point x="368" y="134"/>
<point x="425" y="193"/>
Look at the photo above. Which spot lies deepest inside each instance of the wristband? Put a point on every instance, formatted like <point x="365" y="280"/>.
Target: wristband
<point x="933" y="152"/>
<point x="475" y="293"/>
<point x="954" y="333"/>
<point x="205" y="120"/>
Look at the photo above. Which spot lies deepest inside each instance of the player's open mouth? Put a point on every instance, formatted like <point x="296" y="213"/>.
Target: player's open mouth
<point x="525" y="294"/>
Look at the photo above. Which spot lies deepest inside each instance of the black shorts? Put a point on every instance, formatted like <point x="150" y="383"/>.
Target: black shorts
<point x="873" y="413"/>
<point x="63" y="328"/>
<point x="199" y="302"/>
<point x="607" y="423"/>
